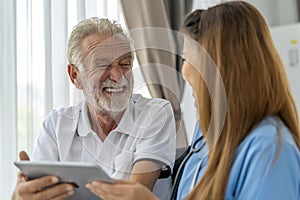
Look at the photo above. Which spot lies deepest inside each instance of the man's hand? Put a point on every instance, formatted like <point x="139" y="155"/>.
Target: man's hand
<point x="35" y="189"/>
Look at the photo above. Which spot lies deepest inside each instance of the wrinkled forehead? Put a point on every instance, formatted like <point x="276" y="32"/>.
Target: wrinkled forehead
<point x="110" y="49"/>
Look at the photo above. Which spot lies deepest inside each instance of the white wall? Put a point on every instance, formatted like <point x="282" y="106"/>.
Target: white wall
<point x="277" y="12"/>
<point x="287" y="42"/>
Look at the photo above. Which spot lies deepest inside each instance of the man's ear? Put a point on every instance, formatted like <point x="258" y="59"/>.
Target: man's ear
<point x="74" y="76"/>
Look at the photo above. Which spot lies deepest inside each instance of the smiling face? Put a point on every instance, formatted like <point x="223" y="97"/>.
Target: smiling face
<point x="106" y="74"/>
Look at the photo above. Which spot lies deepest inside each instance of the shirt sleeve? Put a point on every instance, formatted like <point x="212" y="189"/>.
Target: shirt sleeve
<point x="264" y="169"/>
<point x="282" y="179"/>
<point x="157" y="139"/>
<point x="45" y="147"/>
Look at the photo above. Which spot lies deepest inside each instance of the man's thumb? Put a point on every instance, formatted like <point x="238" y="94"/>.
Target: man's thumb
<point x="23" y="155"/>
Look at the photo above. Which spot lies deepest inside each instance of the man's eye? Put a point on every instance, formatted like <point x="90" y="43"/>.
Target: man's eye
<point x="126" y="65"/>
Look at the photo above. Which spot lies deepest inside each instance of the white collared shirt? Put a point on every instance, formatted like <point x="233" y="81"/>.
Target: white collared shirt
<point x="146" y="132"/>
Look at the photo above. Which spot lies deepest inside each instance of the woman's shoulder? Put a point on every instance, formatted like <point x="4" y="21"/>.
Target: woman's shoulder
<point x="269" y="144"/>
<point x="269" y="133"/>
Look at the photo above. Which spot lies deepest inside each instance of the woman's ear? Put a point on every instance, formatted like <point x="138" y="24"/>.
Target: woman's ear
<point x="74" y="76"/>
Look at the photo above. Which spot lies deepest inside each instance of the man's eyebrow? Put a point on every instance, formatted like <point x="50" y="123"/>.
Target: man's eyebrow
<point x="127" y="55"/>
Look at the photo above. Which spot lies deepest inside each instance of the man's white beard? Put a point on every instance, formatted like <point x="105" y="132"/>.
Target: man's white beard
<point x="108" y="104"/>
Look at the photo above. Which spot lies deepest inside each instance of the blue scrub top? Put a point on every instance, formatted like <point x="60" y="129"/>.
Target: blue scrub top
<point x="259" y="170"/>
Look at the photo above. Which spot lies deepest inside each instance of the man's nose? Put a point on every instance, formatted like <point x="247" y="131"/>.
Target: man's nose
<point x="115" y="72"/>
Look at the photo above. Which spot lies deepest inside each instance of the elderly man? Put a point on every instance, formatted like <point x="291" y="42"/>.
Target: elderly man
<point x="129" y="136"/>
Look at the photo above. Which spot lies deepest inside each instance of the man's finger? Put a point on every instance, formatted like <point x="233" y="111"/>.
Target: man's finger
<point x="58" y="192"/>
<point x="21" y="177"/>
<point x="23" y="155"/>
<point x="105" y="188"/>
<point x="37" y="184"/>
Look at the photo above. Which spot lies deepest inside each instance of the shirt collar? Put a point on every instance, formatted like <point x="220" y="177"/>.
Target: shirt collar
<point x="125" y="125"/>
<point x="84" y="125"/>
<point x="127" y="119"/>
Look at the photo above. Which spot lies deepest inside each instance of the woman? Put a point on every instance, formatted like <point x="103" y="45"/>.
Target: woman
<point x="256" y="153"/>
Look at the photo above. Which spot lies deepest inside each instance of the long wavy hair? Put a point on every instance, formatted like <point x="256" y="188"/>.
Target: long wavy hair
<point x="237" y="38"/>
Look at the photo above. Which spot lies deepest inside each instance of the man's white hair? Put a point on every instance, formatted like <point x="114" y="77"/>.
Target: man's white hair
<point x="85" y="28"/>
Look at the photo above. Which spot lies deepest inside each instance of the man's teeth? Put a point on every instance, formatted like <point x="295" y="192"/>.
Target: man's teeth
<point x="118" y="89"/>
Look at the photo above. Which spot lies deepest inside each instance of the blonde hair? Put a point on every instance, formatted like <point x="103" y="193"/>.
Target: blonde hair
<point x="238" y="40"/>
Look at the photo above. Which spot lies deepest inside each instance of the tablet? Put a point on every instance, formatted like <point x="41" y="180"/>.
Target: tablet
<point x="76" y="173"/>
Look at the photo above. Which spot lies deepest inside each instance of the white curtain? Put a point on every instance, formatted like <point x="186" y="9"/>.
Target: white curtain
<point x="8" y="108"/>
<point x="33" y="69"/>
